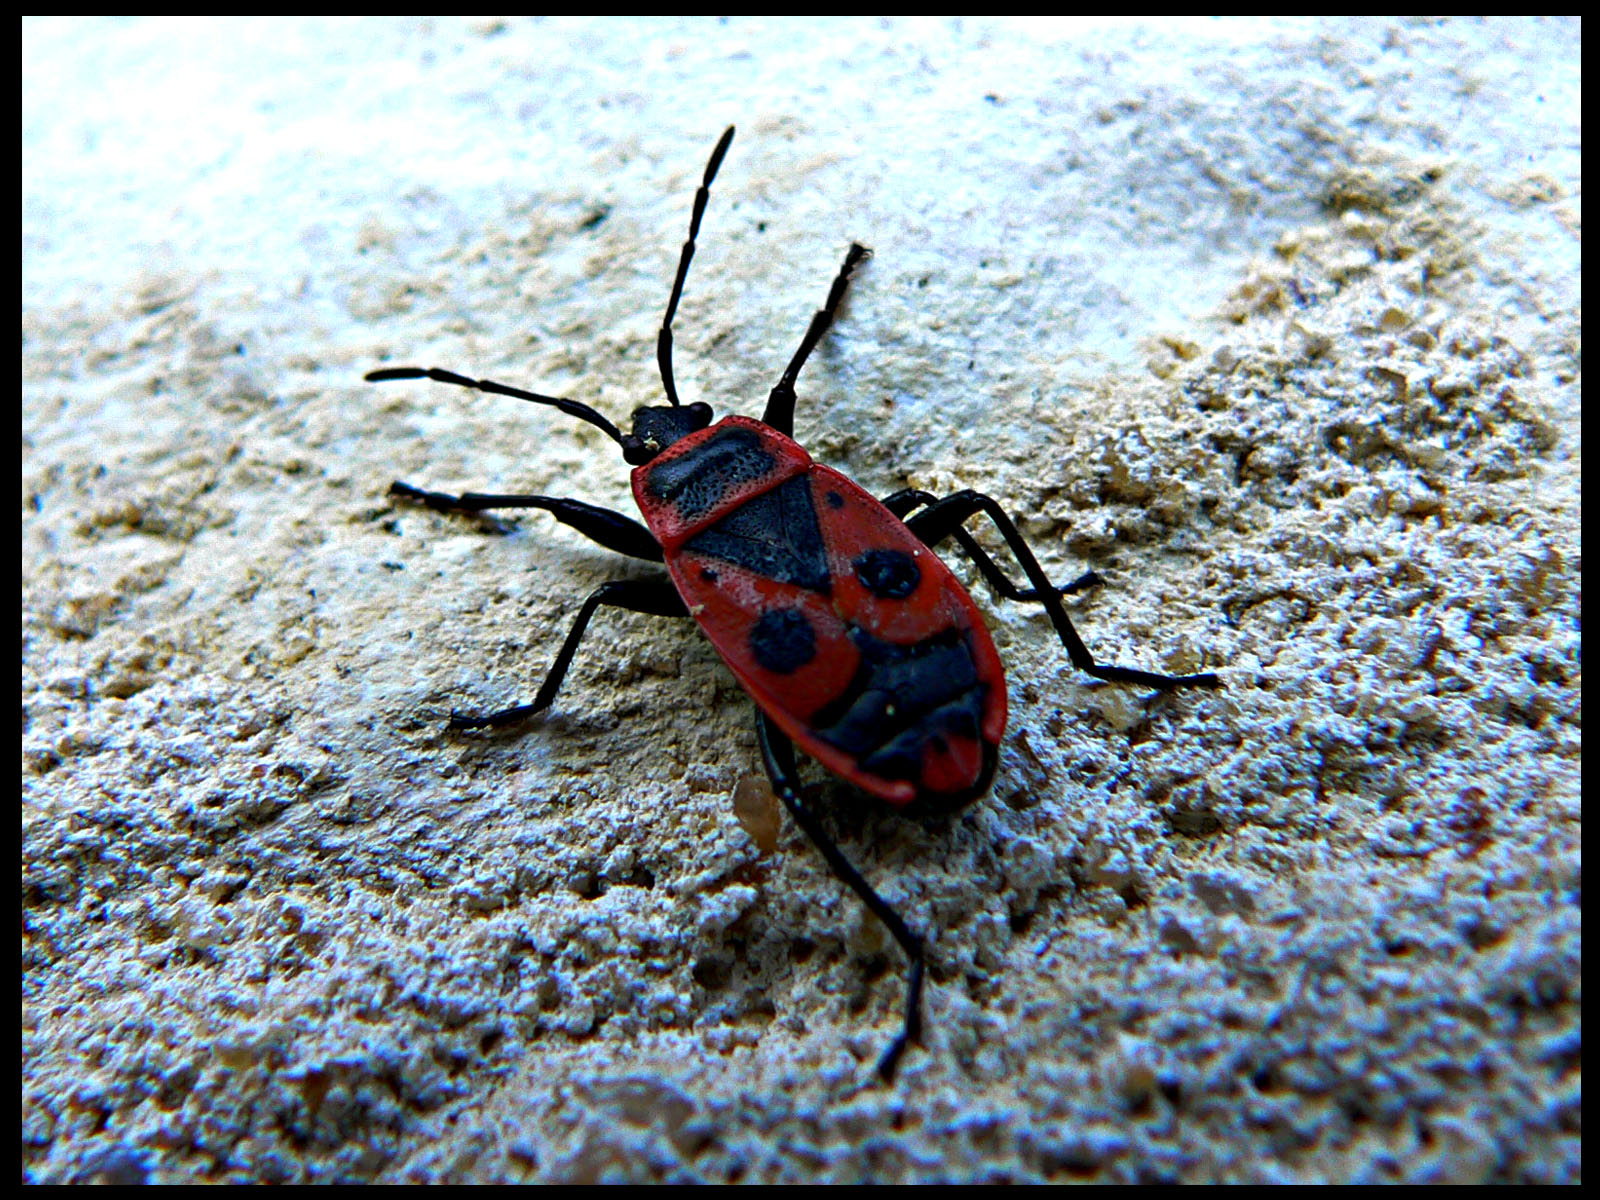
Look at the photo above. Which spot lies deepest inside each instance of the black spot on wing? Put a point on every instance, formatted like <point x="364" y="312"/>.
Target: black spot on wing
<point x="698" y="479"/>
<point x="774" y="534"/>
<point x="783" y="640"/>
<point x="892" y="574"/>
<point x="900" y="698"/>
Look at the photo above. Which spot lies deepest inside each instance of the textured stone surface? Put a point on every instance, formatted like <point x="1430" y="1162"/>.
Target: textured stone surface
<point x="1276" y="326"/>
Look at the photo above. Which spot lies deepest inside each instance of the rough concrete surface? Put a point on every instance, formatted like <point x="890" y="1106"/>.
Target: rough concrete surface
<point x="1274" y="325"/>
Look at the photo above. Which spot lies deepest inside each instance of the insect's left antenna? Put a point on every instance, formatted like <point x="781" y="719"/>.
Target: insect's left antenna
<point x="571" y="407"/>
<point x="664" y="341"/>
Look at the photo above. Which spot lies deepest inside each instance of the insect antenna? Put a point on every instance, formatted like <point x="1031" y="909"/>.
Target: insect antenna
<point x="664" y="341"/>
<point x="571" y="407"/>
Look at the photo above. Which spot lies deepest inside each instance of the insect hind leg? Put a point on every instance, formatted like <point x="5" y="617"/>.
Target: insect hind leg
<point x="778" y="754"/>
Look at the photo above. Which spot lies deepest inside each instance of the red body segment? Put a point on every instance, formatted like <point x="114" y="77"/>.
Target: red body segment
<point x="842" y="625"/>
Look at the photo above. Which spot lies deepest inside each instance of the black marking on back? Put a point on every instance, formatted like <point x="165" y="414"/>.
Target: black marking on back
<point x="902" y="697"/>
<point x="774" y="534"/>
<point x="783" y="640"/>
<point x="892" y="574"/>
<point x="698" y="479"/>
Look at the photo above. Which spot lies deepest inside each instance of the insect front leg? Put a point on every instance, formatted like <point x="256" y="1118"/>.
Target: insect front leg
<point x="778" y="753"/>
<point x="654" y="596"/>
<point x="611" y="529"/>
<point x="943" y="518"/>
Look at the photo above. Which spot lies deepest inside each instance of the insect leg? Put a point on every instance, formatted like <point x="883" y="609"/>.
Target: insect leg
<point x="611" y="529"/>
<point x="902" y="502"/>
<point x="655" y="596"/>
<point x="780" y="403"/>
<point x="942" y="518"/>
<point x="664" y="339"/>
<point x="778" y="753"/>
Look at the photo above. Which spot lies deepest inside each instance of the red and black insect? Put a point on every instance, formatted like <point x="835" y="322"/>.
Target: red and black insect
<point x="855" y="641"/>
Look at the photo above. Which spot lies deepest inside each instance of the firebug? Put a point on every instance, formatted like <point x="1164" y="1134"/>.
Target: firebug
<point x="856" y="642"/>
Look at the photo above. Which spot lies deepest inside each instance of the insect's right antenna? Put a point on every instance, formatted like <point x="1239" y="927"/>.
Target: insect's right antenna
<point x="571" y="407"/>
<point x="664" y="341"/>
